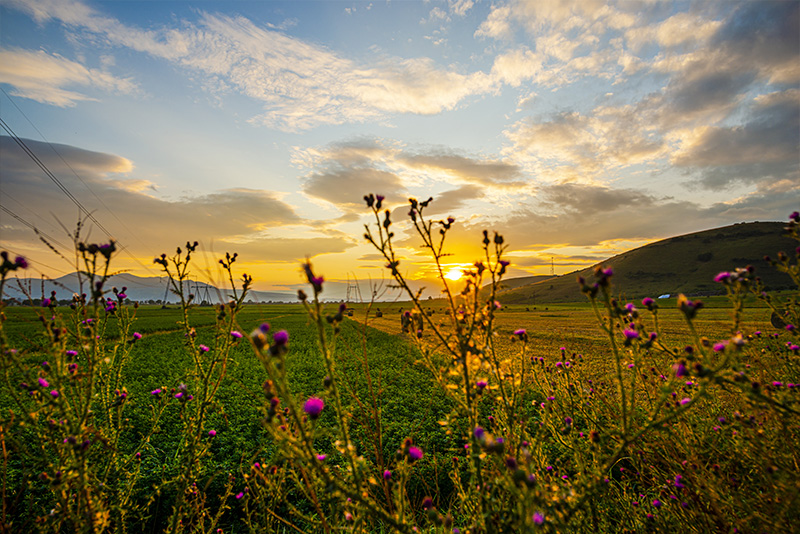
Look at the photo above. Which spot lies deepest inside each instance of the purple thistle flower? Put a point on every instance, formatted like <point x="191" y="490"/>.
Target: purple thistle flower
<point x="538" y="518"/>
<point x="677" y="482"/>
<point x="481" y="384"/>
<point x="281" y="337"/>
<point x="54" y="393"/>
<point x="720" y="347"/>
<point x="156" y="391"/>
<point x="321" y="457"/>
<point x="723" y="277"/>
<point x="71" y="353"/>
<point x="790" y="327"/>
<point x="656" y="503"/>
<point x="520" y="332"/>
<point x="630" y="308"/>
<point x="415" y="453"/>
<point x="313" y="407"/>
<point x="647" y="302"/>
<point x="680" y="370"/>
<point x="43" y="383"/>
<point x="685" y="401"/>
<point x="203" y="348"/>
<point x="212" y="433"/>
<point x="387" y="475"/>
<point x="479" y="433"/>
<point x="240" y="495"/>
<point x="236" y="334"/>
<point x="137" y="336"/>
<point x="21" y="262"/>
<point x="630" y="335"/>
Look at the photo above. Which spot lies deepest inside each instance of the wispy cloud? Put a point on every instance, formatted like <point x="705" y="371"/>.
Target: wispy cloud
<point x="48" y="78"/>
<point x="298" y="84"/>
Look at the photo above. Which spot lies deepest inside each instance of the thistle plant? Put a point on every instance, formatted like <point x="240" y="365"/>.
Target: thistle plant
<point x="652" y="432"/>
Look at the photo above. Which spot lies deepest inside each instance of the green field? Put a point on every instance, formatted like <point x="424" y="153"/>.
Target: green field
<point x="588" y="475"/>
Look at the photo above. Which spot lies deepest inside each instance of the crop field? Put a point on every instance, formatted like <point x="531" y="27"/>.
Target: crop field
<point x="409" y="401"/>
<point x="447" y="416"/>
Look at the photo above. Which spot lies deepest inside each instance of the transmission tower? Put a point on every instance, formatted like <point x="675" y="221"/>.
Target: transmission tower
<point x="353" y="290"/>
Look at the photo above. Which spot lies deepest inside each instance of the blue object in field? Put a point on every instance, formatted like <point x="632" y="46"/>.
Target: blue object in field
<point x="664" y="296"/>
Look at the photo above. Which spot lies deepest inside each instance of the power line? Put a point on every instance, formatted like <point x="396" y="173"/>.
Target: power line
<point x="36" y="262"/>
<point x="65" y="162"/>
<point x="52" y="176"/>
<point x="4" y="195"/>
<point x="63" y="188"/>
<point x="33" y="227"/>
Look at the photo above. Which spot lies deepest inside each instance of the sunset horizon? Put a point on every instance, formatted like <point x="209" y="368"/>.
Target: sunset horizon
<point x="578" y="131"/>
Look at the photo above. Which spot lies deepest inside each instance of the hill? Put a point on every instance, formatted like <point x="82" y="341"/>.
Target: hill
<point x="685" y="264"/>
<point x="512" y="283"/>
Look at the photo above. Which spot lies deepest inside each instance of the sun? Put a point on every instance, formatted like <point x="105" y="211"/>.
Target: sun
<point x="454" y="274"/>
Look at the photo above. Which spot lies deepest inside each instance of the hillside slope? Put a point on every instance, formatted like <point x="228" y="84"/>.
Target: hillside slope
<point x="684" y="264"/>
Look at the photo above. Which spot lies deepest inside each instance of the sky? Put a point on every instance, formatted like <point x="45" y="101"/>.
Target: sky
<point x="577" y="130"/>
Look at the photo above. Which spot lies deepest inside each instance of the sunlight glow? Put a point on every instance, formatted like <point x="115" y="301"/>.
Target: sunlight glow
<point x="454" y="274"/>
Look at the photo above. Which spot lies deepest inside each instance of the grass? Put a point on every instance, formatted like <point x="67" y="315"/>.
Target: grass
<point x="580" y="417"/>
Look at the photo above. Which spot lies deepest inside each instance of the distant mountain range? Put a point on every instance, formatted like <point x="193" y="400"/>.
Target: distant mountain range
<point x="685" y="264"/>
<point x="141" y="289"/>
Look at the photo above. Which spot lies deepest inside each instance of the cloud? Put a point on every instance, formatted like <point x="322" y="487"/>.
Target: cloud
<point x="45" y="77"/>
<point x="436" y="14"/>
<point x="246" y="219"/>
<point x="678" y="30"/>
<point x="342" y="173"/>
<point x="574" y="146"/>
<point x="764" y="35"/>
<point x="299" y="85"/>
<point x="587" y="216"/>
<point x="460" y="7"/>
<point x="445" y="203"/>
<point x="764" y="148"/>
<point x="711" y="77"/>
<point x="477" y="171"/>
<point x="517" y="66"/>
<point x="589" y="199"/>
<point x="345" y="188"/>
